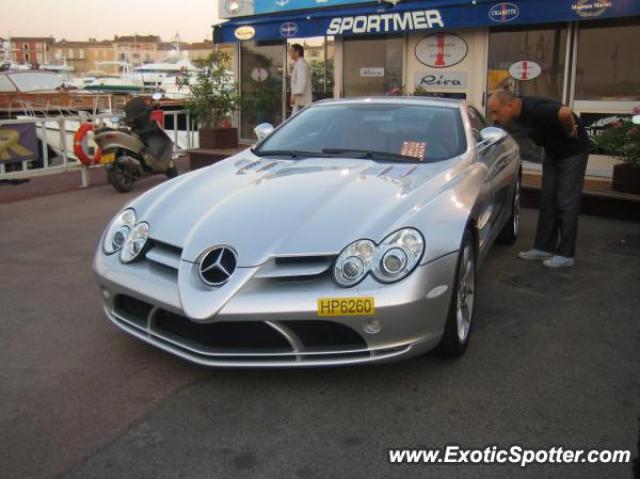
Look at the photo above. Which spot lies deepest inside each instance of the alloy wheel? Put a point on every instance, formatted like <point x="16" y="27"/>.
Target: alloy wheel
<point x="466" y="293"/>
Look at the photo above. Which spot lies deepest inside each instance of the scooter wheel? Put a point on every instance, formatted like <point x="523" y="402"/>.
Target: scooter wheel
<point x="120" y="179"/>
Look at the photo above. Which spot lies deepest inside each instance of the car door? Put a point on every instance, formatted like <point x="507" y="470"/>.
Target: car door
<point x="486" y="218"/>
<point x="498" y="158"/>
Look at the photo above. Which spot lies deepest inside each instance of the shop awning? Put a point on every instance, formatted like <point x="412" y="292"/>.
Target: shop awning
<point x="417" y="15"/>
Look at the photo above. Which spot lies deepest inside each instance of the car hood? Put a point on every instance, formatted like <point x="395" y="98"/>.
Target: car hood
<point x="265" y="207"/>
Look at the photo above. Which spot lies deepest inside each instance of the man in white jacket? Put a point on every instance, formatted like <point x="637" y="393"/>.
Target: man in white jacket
<point x="300" y="79"/>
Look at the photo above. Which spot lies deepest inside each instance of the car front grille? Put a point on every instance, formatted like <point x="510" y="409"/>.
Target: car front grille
<point x="221" y="336"/>
<point x="218" y="342"/>
<point x="298" y="268"/>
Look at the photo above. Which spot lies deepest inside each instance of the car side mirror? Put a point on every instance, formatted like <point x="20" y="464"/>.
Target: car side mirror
<point x="636" y="119"/>
<point x="263" y="130"/>
<point x="490" y="136"/>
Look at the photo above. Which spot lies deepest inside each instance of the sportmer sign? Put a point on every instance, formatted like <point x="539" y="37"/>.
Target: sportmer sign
<point x="386" y="22"/>
<point x="360" y="17"/>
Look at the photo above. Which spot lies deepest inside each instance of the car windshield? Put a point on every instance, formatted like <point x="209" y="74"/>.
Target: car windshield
<point x="378" y="131"/>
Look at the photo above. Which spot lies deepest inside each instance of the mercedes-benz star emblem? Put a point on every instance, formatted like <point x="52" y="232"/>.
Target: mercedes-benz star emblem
<point x="217" y="265"/>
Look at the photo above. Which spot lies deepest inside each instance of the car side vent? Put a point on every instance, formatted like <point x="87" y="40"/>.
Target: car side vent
<point x="295" y="267"/>
<point x="164" y="254"/>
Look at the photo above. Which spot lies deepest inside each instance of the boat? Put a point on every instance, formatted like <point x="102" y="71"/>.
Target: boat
<point x="46" y="92"/>
<point x="59" y="128"/>
<point x="122" y="82"/>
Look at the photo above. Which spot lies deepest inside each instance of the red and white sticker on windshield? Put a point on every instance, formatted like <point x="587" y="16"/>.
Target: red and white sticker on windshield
<point x="416" y="149"/>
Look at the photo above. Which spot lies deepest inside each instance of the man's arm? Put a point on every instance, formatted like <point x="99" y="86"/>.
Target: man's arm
<point x="568" y="122"/>
<point x="548" y="113"/>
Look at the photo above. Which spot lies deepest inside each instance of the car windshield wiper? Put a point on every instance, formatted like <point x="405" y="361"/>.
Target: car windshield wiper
<point x="291" y="153"/>
<point x="371" y="154"/>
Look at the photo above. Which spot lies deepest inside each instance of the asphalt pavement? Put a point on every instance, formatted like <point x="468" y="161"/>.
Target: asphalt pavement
<point x="554" y="360"/>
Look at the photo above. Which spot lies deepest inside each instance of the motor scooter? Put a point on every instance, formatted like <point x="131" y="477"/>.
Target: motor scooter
<point x="136" y="149"/>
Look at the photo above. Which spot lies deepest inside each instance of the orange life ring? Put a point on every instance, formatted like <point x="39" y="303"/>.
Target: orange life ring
<point x="79" y="145"/>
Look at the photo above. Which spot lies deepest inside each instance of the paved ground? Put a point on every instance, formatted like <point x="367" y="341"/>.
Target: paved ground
<point x="555" y="359"/>
<point x="47" y="185"/>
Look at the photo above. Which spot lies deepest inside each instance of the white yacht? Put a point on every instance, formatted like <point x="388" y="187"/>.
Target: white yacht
<point x="122" y="82"/>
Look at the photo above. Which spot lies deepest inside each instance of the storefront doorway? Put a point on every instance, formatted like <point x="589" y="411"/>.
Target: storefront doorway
<point x="319" y="53"/>
<point x="261" y="84"/>
<point x="265" y="85"/>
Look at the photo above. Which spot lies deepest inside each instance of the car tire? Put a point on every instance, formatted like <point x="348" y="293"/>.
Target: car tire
<point x="509" y="233"/>
<point x="457" y="330"/>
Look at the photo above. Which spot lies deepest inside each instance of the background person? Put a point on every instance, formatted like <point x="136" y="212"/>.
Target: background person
<point x="566" y="144"/>
<point x="300" y="79"/>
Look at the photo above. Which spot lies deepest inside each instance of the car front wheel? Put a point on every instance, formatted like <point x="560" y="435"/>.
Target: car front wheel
<point x="460" y="319"/>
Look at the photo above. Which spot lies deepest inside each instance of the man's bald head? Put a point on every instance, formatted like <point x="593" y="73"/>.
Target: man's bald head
<point x="503" y="107"/>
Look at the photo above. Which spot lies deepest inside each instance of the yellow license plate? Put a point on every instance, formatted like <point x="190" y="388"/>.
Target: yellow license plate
<point x="108" y="158"/>
<point x="355" y="306"/>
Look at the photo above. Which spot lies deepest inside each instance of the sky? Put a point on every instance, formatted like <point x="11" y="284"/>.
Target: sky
<point x="102" y="19"/>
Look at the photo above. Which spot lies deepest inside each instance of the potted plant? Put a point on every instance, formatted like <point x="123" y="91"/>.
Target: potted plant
<point x="622" y="141"/>
<point x="214" y="97"/>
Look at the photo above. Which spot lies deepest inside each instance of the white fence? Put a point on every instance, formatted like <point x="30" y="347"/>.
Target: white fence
<point x="56" y="135"/>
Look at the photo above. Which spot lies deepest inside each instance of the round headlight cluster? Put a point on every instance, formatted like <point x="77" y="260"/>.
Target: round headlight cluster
<point x="126" y="236"/>
<point x="400" y="253"/>
<point x="354" y="262"/>
<point x="135" y="242"/>
<point x="393" y="259"/>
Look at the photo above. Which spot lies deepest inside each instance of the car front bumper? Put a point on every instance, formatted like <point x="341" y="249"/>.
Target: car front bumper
<point x="275" y="323"/>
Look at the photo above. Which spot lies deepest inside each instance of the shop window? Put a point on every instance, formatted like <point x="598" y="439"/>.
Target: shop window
<point x="372" y="66"/>
<point x="607" y="64"/>
<point x="544" y="47"/>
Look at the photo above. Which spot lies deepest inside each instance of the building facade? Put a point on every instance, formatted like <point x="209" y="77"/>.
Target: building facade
<point x="581" y="52"/>
<point x="31" y="50"/>
<point x="137" y="49"/>
<point x="84" y="56"/>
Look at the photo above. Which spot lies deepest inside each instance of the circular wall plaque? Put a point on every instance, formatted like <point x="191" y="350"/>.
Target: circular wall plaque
<point x="525" y="70"/>
<point x="441" y="50"/>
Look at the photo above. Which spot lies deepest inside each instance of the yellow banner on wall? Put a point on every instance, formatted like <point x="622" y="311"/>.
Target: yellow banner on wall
<point x="18" y="142"/>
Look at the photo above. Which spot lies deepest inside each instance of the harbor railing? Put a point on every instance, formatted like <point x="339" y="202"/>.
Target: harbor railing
<point x="55" y="142"/>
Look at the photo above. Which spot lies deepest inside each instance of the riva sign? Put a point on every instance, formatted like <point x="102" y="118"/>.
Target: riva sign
<point x="386" y="22"/>
<point x="440" y="81"/>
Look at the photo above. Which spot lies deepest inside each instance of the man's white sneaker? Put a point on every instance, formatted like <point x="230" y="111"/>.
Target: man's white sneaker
<point x="559" y="262"/>
<point x="534" y="254"/>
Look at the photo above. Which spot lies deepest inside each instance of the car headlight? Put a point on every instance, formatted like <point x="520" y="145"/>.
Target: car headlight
<point x="398" y="255"/>
<point x="118" y="231"/>
<point x="395" y="258"/>
<point x="135" y="242"/>
<point x="354" y="262"/>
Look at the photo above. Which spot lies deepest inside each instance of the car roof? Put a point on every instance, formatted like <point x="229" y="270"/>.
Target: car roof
<point x="397" y="100"/>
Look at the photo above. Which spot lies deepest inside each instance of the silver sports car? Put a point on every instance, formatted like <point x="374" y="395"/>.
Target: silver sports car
<point x="350" y="234"/>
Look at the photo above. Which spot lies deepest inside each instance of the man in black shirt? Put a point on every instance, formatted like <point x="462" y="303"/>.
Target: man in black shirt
<point x="566" y="144"/>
